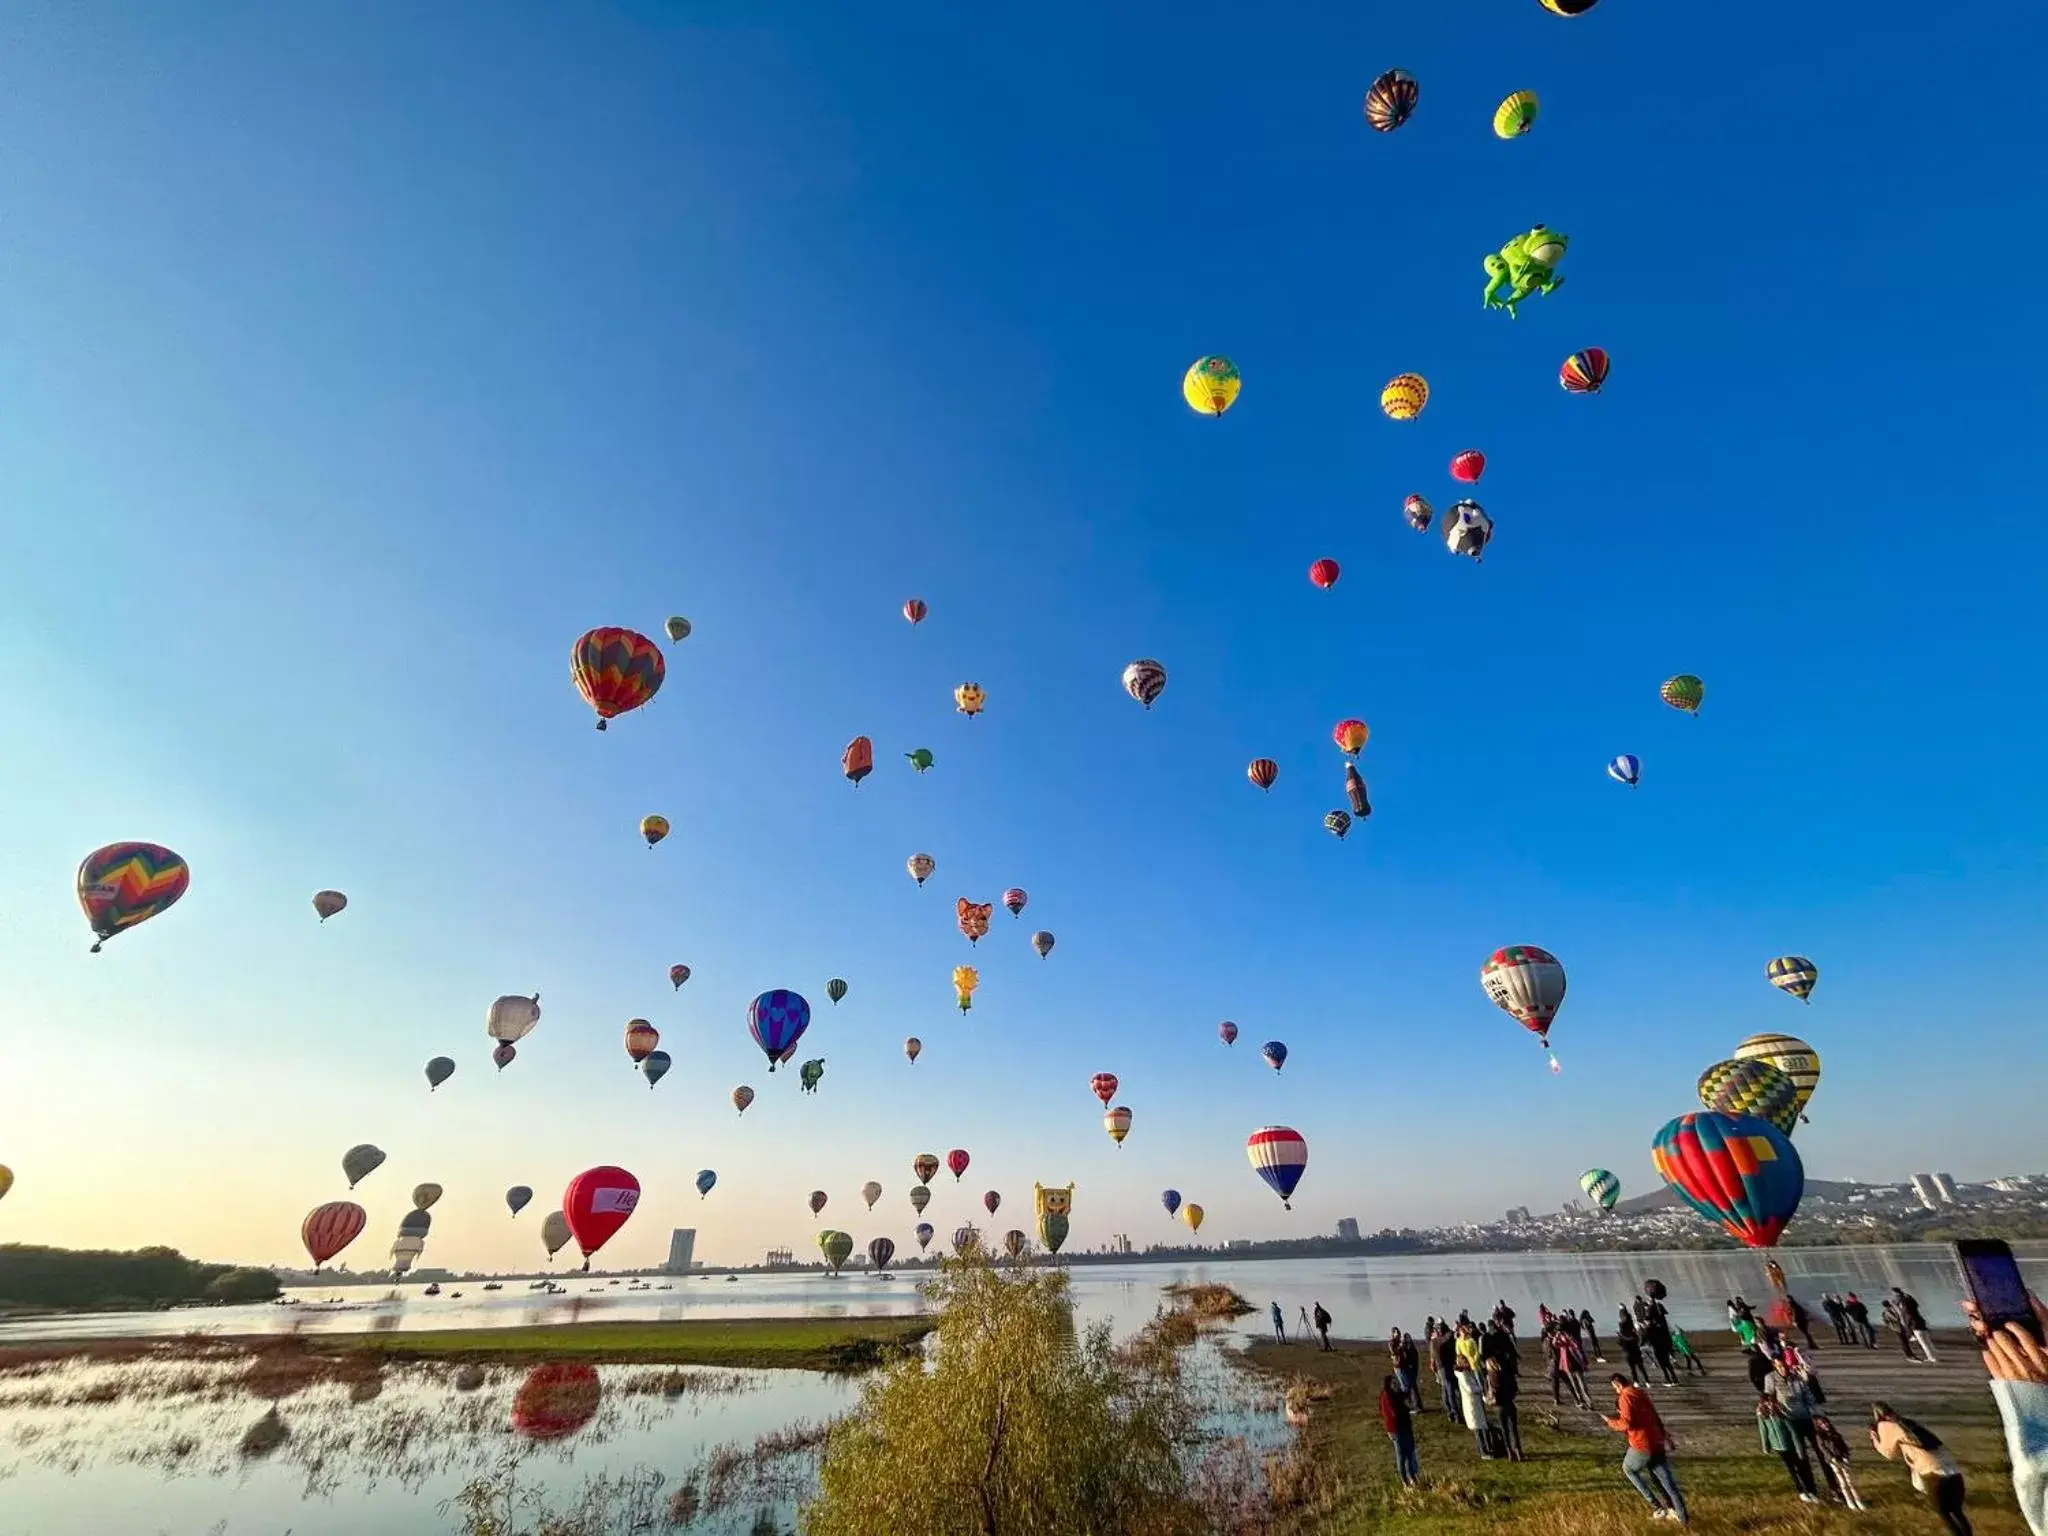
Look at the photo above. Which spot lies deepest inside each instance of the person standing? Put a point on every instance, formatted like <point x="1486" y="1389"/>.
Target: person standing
<point x="1933" y="1470"/>
<point x="1647" y="1462"/>
<point x="1571" y="1368"/>
<point x="1834" y="1460"/>
<point x="1322" y="1320"/>
<point x="1592" y="1338"/>
<point x="1859" y="1320"/>
<point x="1279" y="1325"/>
<point x="1776" y="1437"/>
<point x="1631" y="1348"/>
<point x="1895" y="1320"/>
<point x="1472" y="1392"/>
<point x="1400" y="1425"/>
<point x="1916" y="1323"/>
<point x="1444" y="1359"/>
<point x="1758" y="1364"/>
<point x="1657" y="1335"/>
<point x="1506" y="1369"/>
<point x="1831" y="1304"/>
<point x="1411" y="1371"/>
<point x="1694" y="1366"/>
<point x="1801" y="1318"/>
<point x="1789" y="1390"/>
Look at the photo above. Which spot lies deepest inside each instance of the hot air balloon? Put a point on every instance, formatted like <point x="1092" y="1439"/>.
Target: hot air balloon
<point x="965" y="1238"/>
<point x="1793" y="974"/>
<point x="653" y="828"/>
<point x="1210" y="385"/>
<point x="973" y="918"/>
<point x="835" y="1246"/>
<point x="991" y="1201"/>
<point x="1390" y="100"/>
<point x="1227" y="1032"/>
<point x="517" y="1198"/>
<point x="615" y="670"/>
<point x="1043" y="941"/>
<point x="742" y="1096"/>
<point x="1733" y="1169"/>
<point x="1405" y="396"/>
<point x="871" y="1192"/>
<point x="1350" y="736"/>
<point x="923" y="1233"/>
<point x="914" y="609"/>
<point x="404" y="1251"/>
<point x="818" y="1201"/>
<point x="678" y="628"/>
<point x="1145" y="680"/>
<point x="512" y="1018"/>
<point x="554" y="1233"/>
<point x="920" y="866"/>
<point x="1527" y="984"/>
<point x="597" y="1203"/>
<point x="1567" y="7"/>
<point x="1192" y="1215"/>
<point x="965" y="980"/>
<point x="1337" y="824"/>
<point x="656" y="1066"/>
<point x="1103" y="1086"/>
<point x="1014" y="1241"/>
<point x="677" y="975"/>
<point x="924" y="1165"/>
<point x="880" y="1251"/>
<point x="1170" y="1198"/>
<point x="359" y="1162"/>
<point x="1468" y="466"/>
<point x="812" y="1072"/>
<point x="1262" y="772"/>
<point x="1791" y="1056"/>
<point x="1419" y="513"/>
<point x="1118" y="1124"/>
<point x="920" y="1197"/>
<point x="327" y="1228"/>
<point x="1354" y="791"/>
<point x="921" y="760"/>
<point x="1467" y="530"/>
<point x="777" y="1020"/>
<point x="970" y="699"/>
<point x="327" y="903"/>
<point x="1015" y="900"/>
<point x="556" y="1399"/>
<point x="1324" y="574"/>
<point x="835" y="989"/>
<point x="858" y="760"/>
<point x="1626" y="769"/>
<point x="416" y="1222"/>
<point x="502" y="1054"/>
<point x="1601" y="1187"/>
<point x="1278" y="1155"/>
<point x="1584" y="372"/>
<point x="1515" y="116"/>
<point x="1751" y="1087"/>
<point x="956" y="1162"/>
<point x="439" y="1070"/>
<point x="1055" y="1205"/>
<point x="1275" y="1052"/>
<point x="1684" y="692"/>
<point x="123" y="884"/>
<point x="912" y="1046"/>
<point x="641" y="1038"/>
<point x="424" y="1196"/>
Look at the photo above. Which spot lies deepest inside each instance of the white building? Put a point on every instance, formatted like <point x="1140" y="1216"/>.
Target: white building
<point x="1945" y="1188"/>
<point x="1347" y="1229"/>
<point x="682" y="1247"/>
<point x="1933" y="1189"/>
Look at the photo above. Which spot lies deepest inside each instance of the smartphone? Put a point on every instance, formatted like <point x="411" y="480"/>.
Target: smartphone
<point x="1993" y="1278"/>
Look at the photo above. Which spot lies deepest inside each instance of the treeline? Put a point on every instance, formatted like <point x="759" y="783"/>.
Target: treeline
<point x="96" y="1279"/>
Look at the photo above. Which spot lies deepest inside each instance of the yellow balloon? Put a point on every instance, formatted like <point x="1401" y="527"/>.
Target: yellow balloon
<point x="969" y="698"/>
<point x="1192" y="1215"/>
<point x="1405" y="396"/>
<point x="1211" y="385"/>
<point x="965" y="980"/>
<point x="653" y="828"/>
<point x="6" y="1178"/>
<point x="1515" y="116"/>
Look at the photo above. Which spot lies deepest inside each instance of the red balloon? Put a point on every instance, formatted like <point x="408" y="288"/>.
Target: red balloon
<point x="1324" y="574"/>
<point x="1468" y="466"/>
<point x="597" y="1203"/>
<point x="915" y="610"/>
<point x="330" y="1228"/>
<point x="615" y="670"/>
<point x="957" y="1161"/>
<point x="1104" y="1085"/>
<point x="556" y="1399"/>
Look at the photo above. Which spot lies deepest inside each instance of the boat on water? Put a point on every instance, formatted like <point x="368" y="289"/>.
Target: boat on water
<point x="493" y="1286"/>
<point x="433" y="1289"/>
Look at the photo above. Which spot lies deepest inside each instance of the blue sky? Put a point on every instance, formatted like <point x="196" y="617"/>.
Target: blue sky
<point x="355" y="362"/>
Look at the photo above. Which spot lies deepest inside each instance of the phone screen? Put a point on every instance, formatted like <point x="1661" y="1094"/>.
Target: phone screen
<point x="1996" y="1285"/>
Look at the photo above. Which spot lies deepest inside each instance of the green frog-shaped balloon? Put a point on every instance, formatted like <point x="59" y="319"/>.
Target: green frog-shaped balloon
<point x="1526" y="265"/>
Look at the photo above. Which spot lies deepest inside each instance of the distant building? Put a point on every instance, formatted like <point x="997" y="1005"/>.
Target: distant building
<point x="1347" y="1229"/>
<point x="1934" y="1189"/>
<point x="1120" y="1243"/>
<point x="1517" y="1214"/>
<point x="682" y="1247"/>
<point x="780" y="1258"/>
<point x="1945" y="1187"/>
<point x="1239" y="1242"/>
<point x="1573" y="1208"/>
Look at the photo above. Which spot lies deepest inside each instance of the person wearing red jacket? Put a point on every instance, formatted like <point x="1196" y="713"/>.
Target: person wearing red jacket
<point x="1401" y="1430"/>
<point x="1647" y="1462"/>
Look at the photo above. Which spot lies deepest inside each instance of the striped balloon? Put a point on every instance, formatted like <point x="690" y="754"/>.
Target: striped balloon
<point x="1733" y="1169"/>
<point x="1145" y="680"/>
<point x="1405" y="396"/>
<point x="1015" y="900"/>
<point x="615" y="670"/>
<point x="330" y="1228"/>
<point x="1014" y="1241"/>
<point x="123" y="884"/>
<point x="1262" y="772"/>
<point x="1626" y="769"/>
<point x="1791" y="1056"/>
<point x="1390" y="100"/>
<point x="1751" y="1087"/>
<point x="1794" y="974"/>
<point x="1584" y="372"/>
<point x="1601" y="1187"/>
<point x="777" y="1020"/>
<point x="924" y="1165"/>
<point x="1118" y="1124"/>
<point x="1278" y="1155"/>
<point x="1515" y="116"/>
<point x="914" y="609"/>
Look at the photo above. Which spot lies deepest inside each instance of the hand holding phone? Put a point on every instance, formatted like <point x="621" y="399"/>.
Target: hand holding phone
<point x="2008" y="1320"/>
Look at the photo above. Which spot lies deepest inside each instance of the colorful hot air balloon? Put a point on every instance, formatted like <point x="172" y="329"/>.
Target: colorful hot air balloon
<point x="913" y="1047"/>
<point x="1515" y="116"/>
<point x="1733" y="1169"/>
<point x="742" y="1096"/>
<point x="1567" y="7"/>
<point x="327" y="1228"/>
<point x="1170" y="1198"/>
<point x="1278" y="1155"/>
<point x="920" y="866"/>
<point x="1684" y="692"/>
<point x="360" y="1161"/>
<point x="923" y="1233"/>
<point x="1626" y="769"/>
<point x="327" y="903"/>
<point x="615" y="670"/>
<point x="914" y="609"/>
<point x="439" y="1070"/>
<point x="880" y="1251"/>
<point x="1584" y="372"/>
<point x="871" y="1192"/>
<point x="991" y="1201"/>
<point x="1210" y="385"/>
<point x="1103" y="1086"/>
<point x="123" y="884"/>
<point x="1791" y="1056"/>
<point x="1390" y="100"/>
<point x="554" y="1233"/>
<point x="1262" y="772"/>
<point x="1751" y="1087"/>
<point x="965" y="1238"/>
<point x="1014" y="1241"/>
<point x="1527" y="984"/>
<point x="858" y="760"/>
<point x="1145" y="680"/>
<point x="597" y="1203"/>
<point x="965" y="980"/>
<point x="502" y="1054"/>
<point x="1419" y="513"/>
<point x="1793" y="974"/>
<point x="835" y="1246"/>
<point x="677" y="975"/>
<point x="517" y="1198"/>
<point x="1192" y="1215"/>
<point x="656" y="1066"/>
<point x="920" y="1197"/>
<point x="1467" y="466"/>
<point x="1118" y="1124"/>
<point x="1467" y="530"/>
<point x="956" y="1162"/>
<point x="1354" y="791"/>
<point x="1600" y="1187"/>
<point x="1337" y="824"/>
<point x="818" y="1201"/>
<point x="970" y="699"/>
<point x="1054" y="1205"/>
<point x="921" y="759"/>
<point x="653" y="828"/>
<point x="1227" y="1032"/>
<point x="512" y="1018"/>
<point x="1405" y="396"/>
<point x="1275" y="1052"/>
<point x="1324" y="574"/>
<point x="924" y="1165"/>
<point x="641" y="1038"/>
<point x="973" y="916"/>
<point x="678" y="628"/>
<point x="556" y="1399"/>
<point x="1350" y="736"/>
<point x="777" y="1020"/>
<point x="1015" y="900"/>
<point x="1043" y="941"/>
<point x="835" y="989"/>
<point x="425" y="1196"/>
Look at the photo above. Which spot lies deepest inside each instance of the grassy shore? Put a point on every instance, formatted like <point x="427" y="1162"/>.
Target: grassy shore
<point x="1342" y="1480"/>
<point x="750" y="1343"/>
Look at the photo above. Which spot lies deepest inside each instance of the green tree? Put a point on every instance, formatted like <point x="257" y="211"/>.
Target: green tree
<point x="1014" y="1426"/>
<point x="242" y="1285"/>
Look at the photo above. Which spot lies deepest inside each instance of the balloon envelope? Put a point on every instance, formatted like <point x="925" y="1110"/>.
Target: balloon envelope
<point x="1279" y="1155"/>
<point x="517" y="1198"/>
<point x="1227" y="1032"/>
<point x="1733" y="1169"/>
<point x="439" y="1070"/>
<point x="956" y="1162"/>
<point x="1751" y="1087"/>
<point x="1042" y="941"/>
<point x="1527" y="984"/>
<point x="1405" y="396"/>
<point x="327" y="1228"/>
<point x="835" y="1246"/>
<point x="597" y="1203"/>
<point x="678" y="628"/>
<point x="1211" y="385"/>
<point x="871" y="1192"/>
<point x="641" y="1039"/>
<point x="1170" y="1198"/>
<point x="1192" y="1215"/>
<point x="1145" y="680"/>
<point x="1584" y="372"/>
<point x="615" y="670"/>
<point x="1626" y="769"/>
<point x="880" y="1251"/>
<point x="512" y="1018"/>
<point x="327" y="903"/>
<point x="742" y="1096"/>
<point x="656" y="1066"/>
<point x="554" y="1232"/>
<point x="777" y="1020"/>
<point x="991" y="1201"/>
<point x="359" y="1162"/>
<point x="1791" y="1056"/>
<point x="707" y="1180"/>
<point x="924" y="1233"/>
<point x="123" y="884"/>
<point x="1794" y="975"/>
<point x="425" y="1196"/>
<point x="1275" y="1052"/>
<point x="1601" y="1187"/>
<point x="1390" y="100"/>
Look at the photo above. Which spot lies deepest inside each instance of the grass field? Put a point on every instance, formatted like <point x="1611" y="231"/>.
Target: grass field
<point x="794" y="1343"/>
<point x="1571" y="1485"/>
